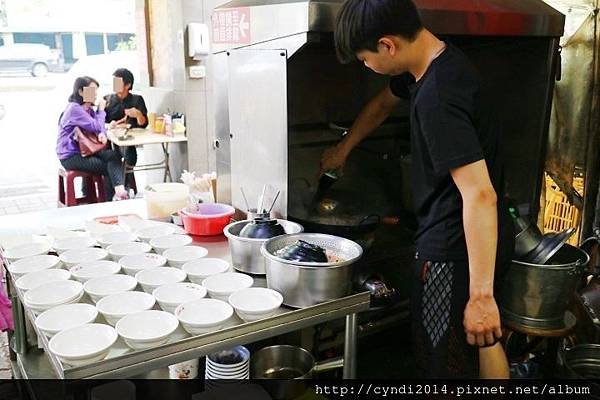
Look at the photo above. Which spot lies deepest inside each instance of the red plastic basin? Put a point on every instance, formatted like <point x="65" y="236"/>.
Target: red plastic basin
<point x="210" y="220"/>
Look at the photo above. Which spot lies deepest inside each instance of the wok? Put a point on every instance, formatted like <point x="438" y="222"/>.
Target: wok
<point x="338" y="212"/>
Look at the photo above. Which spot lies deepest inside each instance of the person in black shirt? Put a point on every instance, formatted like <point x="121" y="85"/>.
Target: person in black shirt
<point x="124" y="107"/>
<point x="464" y="237"/>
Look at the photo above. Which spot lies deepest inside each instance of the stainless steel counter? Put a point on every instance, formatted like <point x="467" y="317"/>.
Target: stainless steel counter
<point x="123" y="362"/>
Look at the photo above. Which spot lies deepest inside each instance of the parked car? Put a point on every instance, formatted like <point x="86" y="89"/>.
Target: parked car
<point x="36" y="59"/>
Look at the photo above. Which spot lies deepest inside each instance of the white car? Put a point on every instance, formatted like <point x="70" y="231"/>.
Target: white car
<point x="36" y="59"/>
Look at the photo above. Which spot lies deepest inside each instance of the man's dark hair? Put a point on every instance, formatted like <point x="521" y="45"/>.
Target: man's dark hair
<point x="80" y="83"/>
<point x="126" y="75"/>
<point x="361" y="23"/>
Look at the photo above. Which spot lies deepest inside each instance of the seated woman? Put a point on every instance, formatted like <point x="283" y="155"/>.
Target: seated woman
<point x="80" y="113"/>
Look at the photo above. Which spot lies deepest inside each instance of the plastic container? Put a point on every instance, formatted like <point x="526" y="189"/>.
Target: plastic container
<point x="166" y="198"/>
<point x="210" y="220"/>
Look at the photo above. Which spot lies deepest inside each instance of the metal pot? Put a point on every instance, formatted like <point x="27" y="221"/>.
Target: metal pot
<point x="305" y="284"/>
<point x="245" y="252"/>
<point x="287" y="364"/>
<point x="537" y="296"/>
<point x="583" y="361"/>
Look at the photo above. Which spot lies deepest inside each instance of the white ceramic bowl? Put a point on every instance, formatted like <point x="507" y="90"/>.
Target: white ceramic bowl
<point x="177" y="256"/>
<point x="95" y="269"/>
<point x="252" y="304"/>
<point x="80" y="256"/>
<point x="116" y="306"/>
<point x="26" y="250"/>
<point x="147" y="328"/>
<point x="136" y="263"/>
<point x="64" y="317"/>
<point x="152" y="278"/>
<point x="221" y="286"/>
<point x="198" y="270"/>
<point x="163" y="243"/>
<point x="26" y="265"/>
<point x="98" y="288"/>
<point x="204" y="315"/>
<point x="155" y="231"/>
<point x="170" y="296"/>
<point x="73" y="243"/>
<point x="120" y="250"/>
<point x="83" y="344"/>
<point x="37" y="278"/>
<point x="53" y="294"/>
<point x="111" y="238"/>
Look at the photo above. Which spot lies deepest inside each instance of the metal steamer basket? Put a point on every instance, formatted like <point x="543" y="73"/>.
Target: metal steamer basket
<point x="537" y="296"/>
<point x="245" y="252"/>
<point x="304" y="284"/>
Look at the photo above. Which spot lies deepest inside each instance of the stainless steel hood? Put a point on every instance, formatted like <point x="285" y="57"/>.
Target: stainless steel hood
<point x="270" y="20"/>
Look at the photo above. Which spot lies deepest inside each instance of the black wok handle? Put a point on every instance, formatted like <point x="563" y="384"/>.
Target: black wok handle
<point x="370" y="219"/>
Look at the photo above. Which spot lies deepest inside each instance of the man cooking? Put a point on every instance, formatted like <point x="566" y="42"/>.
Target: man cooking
<point x="464" y="236"/>
<point x="126" y="108"/>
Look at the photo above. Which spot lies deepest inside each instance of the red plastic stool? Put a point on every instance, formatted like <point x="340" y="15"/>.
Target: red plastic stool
<point x="66" y="188"/>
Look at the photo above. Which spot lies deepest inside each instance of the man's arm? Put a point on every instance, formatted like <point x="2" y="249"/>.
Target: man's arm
<point x="373" y="115"/>
<point x="480" y="220"/>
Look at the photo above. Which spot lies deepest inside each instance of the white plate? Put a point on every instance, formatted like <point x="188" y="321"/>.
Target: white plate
<point x="26" y="265"/>
<point x="83" y="344"/>
<point x="177" y="256"/>
<point x="98" y="288"/>
<point x="204" y="315"/>
<point x="221" y="286"/>
<point x="155" y="231"/>
<point x="110" y="238"/>
<point x="163" y="243"/>
<point x="26" y="250"/>
<point x="79" y="256"/>
<point x="147" y="328"/>
<point x="52" y="294"/>
<point x="120" y="250"/>
<point x="64" y="317"/>
<point x="37" y="278"/>
<point x="95" y="269"/>
<point x="198" y="270"/>
<point x="116" y="306"/>
<point x="136" y="263"/>
<point x="73" y="243"/>
<point x="252" y="304"/>
<point x="170" y="296"/>
<point x="152" y="278"/>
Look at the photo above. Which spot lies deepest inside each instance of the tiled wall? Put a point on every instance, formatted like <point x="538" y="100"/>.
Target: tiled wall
<point x="174" y="90"/>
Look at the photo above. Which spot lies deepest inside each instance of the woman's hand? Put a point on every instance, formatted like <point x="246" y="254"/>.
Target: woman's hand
<point x="103" y="138"/>
<point x="101" y="104"/>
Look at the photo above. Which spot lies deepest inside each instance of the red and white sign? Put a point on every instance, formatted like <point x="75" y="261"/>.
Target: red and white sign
<point x="231" y="26"/>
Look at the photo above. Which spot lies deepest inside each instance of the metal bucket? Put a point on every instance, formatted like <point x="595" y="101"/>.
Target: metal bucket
<point x="583" y="361"/>
<point x="245" y="252"/>
<point x="304" y="284"/>
<point x="537" y="296"/>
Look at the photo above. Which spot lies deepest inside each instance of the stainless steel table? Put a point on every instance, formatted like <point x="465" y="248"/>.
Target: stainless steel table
<point x="123" y="362"/>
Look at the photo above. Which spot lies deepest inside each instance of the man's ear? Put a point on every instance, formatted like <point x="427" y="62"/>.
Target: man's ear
<point x="388" y="44"/>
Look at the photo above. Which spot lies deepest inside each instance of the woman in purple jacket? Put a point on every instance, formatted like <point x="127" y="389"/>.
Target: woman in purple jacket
<point x="80" y="113"/>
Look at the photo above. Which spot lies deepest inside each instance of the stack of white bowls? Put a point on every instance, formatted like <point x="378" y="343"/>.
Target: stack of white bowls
<point x="79" y="256"/>
<point x="162" y="243"/>
<point x="64" y="317"/>
<point x="83" y="344"/>
<point x="198" y="270"/>
<point x="228" y="364"/>
<point x="73" y="243"/>
<point x="53" y="294"/>
<point x="178" y="256"/>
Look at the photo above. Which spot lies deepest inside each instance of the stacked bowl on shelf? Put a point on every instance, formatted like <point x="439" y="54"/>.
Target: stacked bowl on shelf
<point x="137" y="288"/>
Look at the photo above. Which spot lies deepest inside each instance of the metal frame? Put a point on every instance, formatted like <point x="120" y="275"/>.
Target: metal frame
<point x="163" y="164"/>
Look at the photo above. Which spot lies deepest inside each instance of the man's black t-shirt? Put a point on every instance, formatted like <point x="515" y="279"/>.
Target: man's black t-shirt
<point x="115" y="108"/>
<point x="452" y="125"/>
